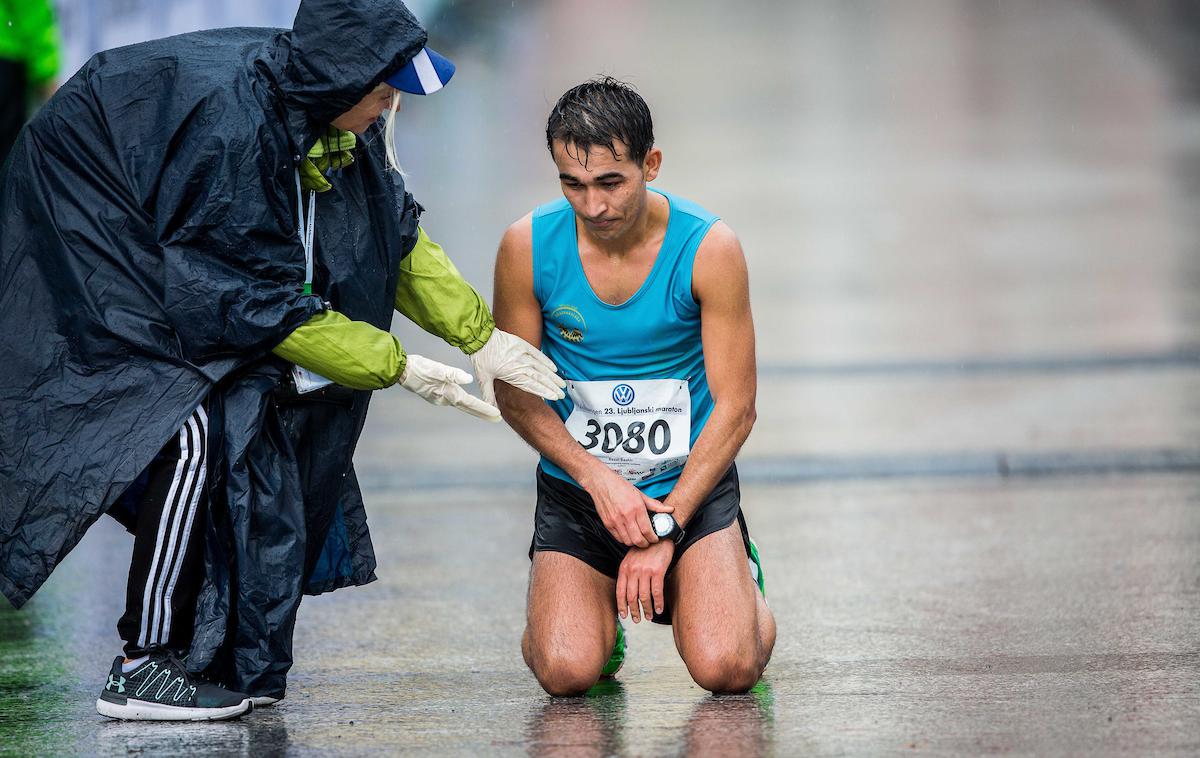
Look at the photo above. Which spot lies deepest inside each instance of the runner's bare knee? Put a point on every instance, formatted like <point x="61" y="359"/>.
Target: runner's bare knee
<point x="720" y="669"/>
<point x="571" y="623"/>
<point x="566" y="673"/>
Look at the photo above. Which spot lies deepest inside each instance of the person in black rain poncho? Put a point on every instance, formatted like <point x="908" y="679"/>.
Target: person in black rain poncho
<point x="202" y="240"/>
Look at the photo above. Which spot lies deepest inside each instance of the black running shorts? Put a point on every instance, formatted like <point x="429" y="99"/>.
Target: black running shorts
<point x="566" y="521"/>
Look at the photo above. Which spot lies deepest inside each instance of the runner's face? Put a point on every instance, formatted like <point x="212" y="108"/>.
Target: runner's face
<point x="359" y="118"/>
<point x="607" y="194"/>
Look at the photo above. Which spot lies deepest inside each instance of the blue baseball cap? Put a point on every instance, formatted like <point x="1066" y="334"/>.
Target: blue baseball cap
<point x="425" y="74"/>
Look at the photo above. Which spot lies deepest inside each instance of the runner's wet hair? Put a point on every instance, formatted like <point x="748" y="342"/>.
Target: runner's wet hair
<point x="601" y="111"/>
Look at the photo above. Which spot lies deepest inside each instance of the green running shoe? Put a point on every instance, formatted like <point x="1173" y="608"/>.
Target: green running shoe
<point x="617" y="659"/>
<point x="756" y="571"/>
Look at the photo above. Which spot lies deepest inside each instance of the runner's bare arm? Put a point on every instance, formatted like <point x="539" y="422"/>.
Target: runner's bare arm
<point x="720" y="284"/>
<point x="620" y="505"/>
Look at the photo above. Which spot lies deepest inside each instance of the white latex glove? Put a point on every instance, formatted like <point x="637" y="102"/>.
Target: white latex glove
<point x="440" y="384"/>
<point x="511" y="359"/>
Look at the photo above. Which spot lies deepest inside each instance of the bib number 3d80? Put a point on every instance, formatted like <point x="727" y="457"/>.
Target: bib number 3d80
<point x="632" y="439"/>
<point x="639" y="428"/>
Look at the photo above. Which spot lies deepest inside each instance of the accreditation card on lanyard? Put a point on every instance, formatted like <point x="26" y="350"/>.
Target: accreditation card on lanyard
<point x="639" y="427"/>
<point x="307" y="381"/>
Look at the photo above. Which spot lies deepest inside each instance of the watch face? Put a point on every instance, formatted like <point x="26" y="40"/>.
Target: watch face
<point x="662" y="523"/>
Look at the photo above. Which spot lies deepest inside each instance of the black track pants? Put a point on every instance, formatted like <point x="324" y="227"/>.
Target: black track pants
<point x="168" y="555"/>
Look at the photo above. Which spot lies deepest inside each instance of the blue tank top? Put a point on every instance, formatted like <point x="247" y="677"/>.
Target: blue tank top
<point x="654" y="335"/>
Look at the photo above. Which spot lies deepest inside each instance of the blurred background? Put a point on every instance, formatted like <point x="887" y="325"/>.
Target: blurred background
<point x="975" y="271"/>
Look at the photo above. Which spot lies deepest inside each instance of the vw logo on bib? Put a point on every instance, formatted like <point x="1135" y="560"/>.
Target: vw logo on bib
<point x="622" y="394"/>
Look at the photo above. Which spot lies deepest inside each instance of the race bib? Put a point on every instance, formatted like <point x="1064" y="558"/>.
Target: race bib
<point x="639" y="428"/>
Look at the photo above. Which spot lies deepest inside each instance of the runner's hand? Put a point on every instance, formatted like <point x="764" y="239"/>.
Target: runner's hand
<point x="622" y="508"/>
<point x="440" y="384"/>
<point x="511" y="359"/>
<point x="641" y="580"/>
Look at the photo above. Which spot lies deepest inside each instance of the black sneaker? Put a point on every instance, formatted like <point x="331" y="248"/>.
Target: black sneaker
<point x="160" y="689"/>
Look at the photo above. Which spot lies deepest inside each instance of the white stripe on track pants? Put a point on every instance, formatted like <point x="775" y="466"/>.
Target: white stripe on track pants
<point x="168" y="560"/>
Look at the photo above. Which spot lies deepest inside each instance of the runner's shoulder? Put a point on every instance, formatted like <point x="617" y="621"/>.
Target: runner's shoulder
<point x="518" y="238"/>
<point x="718" y="237"/>
<point x="720" y="246"/>
<point x="720" y="265"/>
<point x="691" y="208"/>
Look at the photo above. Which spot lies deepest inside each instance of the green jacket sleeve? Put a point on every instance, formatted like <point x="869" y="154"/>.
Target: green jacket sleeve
<point x="354" y="354"/>
<point x="436" y="298"/>
<point x="28" y="34"/>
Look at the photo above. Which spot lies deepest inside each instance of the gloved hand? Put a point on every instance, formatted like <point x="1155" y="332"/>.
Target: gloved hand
<point x="439" y="384"/>
<point x="511" y="359"/>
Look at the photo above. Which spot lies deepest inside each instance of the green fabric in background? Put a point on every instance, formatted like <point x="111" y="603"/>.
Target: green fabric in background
<point x="29" y="35"/>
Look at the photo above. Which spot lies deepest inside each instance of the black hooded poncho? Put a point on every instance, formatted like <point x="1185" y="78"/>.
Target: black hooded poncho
<point x="149" y="261"/>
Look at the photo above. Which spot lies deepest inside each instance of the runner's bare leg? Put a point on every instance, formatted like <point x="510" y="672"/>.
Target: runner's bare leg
<point x="723" y="628"/>
<point x="571" y="623"/>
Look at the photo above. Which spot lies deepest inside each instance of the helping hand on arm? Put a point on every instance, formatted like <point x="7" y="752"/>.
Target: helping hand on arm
<point x="432" y="293"/>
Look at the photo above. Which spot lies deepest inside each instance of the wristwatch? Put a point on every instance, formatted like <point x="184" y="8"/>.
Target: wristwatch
<point x="666" y="527"/>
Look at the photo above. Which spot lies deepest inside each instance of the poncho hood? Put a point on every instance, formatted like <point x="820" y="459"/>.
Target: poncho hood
<point x="337" y="52"/>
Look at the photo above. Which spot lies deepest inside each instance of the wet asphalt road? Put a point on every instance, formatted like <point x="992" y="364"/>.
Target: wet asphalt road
<point x="975" y="477"/>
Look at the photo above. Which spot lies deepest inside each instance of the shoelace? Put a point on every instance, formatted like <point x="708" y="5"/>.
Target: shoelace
<point x="175" y="661"/>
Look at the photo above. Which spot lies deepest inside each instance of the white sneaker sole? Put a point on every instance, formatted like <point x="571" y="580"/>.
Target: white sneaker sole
<point x="142" y="710"/>
<point x="264" y="701"/>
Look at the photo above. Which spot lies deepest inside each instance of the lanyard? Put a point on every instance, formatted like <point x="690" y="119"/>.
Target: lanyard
<point x="304" y="228"/>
